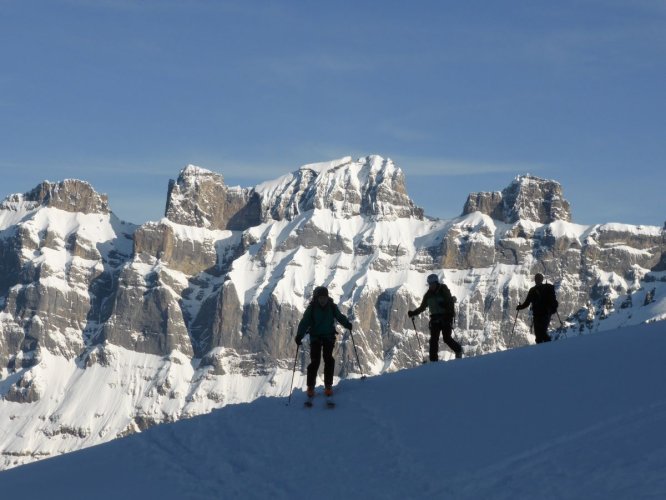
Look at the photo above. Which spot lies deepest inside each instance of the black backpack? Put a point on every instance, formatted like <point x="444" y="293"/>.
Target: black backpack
<point x="546" y="300"/>
<point x="447" y="300"/>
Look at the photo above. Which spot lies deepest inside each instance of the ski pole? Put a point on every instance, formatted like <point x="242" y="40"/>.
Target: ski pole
<point x="514" y="323"/>
<point x="419" y="341"/>
<point x="559" y="319"/>
<point x="356" y="352"/>
<point x="561" y="331"/>
<point x="293" y="372"/>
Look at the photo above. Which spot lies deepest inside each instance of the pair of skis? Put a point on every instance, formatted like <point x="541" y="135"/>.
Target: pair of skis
<point x="329" y="400"/>
<point x="309" y="403"/>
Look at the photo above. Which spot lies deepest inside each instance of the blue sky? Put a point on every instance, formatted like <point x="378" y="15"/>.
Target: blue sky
<point x="464" y="96"/>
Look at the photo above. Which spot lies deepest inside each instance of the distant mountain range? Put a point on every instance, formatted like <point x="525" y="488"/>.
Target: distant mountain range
<point x="107" y="328"/>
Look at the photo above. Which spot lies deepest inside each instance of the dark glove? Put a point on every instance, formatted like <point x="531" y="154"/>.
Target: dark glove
<point x="411" y="314"/>
<point x="298" y="341"/>
<point x="518" y="308"/>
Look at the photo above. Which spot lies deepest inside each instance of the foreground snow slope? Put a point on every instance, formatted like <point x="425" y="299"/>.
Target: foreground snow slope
<point x="579" y="418"/>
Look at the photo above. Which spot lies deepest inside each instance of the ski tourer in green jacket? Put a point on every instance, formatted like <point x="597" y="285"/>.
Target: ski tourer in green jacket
<point x="320" y="316"/>
<point x="319" y="321"/>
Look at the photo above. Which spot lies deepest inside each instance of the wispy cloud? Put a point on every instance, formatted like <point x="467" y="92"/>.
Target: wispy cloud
<point x="302" y="69"/>
<point x="311" y="153"/>
<point x="98" y="168"/>
<point x="118" y="5"/>
<point x="405" y="134"/>
<point x="280" y="163"/>
<point x="101" y="174"/>
<point x="234" y="171"/>
<point x="457" y="167"/>
<point x="638" y="30"/>
<point x="413" y="166"/>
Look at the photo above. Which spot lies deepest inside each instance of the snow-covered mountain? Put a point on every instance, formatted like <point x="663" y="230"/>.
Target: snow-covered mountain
<point x="581" y="418"/>
<point x="107" y="328"/>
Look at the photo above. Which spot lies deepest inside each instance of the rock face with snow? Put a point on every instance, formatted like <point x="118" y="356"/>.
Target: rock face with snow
<point x="527" y="198"/>
<point x="372" y="187"/>
<point x="51" y="260"/>
<point x="175" y="317"/>
<point x="200" y="198"/>
<point x="70" y="195"/>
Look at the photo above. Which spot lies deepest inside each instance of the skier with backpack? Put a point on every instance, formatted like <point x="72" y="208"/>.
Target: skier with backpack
<point x="441" y="305"/>
<point x="544" y="305"/>
<point x="319" y="321"/>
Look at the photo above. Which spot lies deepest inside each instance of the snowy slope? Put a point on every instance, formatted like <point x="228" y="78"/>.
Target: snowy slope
<point x="578" y="418"/>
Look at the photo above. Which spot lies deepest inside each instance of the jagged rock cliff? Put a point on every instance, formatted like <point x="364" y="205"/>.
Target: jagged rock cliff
<point x="182" y="315"/>
<point x="526" y="198"/>
<point x="372" y="187"/>
<point x="70" y="195"/>
<point x="200" y="198"/>
<point x="49" y="259"/>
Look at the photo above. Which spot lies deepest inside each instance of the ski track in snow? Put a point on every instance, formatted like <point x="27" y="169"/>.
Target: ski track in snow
<point x="582" y="462"/>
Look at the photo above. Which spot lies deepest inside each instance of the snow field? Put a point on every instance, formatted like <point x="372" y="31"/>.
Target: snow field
<point x="580" y="418"/>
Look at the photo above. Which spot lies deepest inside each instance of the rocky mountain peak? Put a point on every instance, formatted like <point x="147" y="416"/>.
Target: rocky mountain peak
<point x="370" y="186"/>
<point x="71" y="195"/>
<point x="526" y="198"/>
<point x="200" y="198"/>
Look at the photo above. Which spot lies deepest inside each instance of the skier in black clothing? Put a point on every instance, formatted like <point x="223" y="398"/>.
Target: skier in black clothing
<point x="544" y="305"/>
<point x="440" y="302"/>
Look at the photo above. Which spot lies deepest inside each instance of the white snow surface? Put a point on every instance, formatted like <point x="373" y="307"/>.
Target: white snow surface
<point x="94" y="228"/>
<point x="581" y="418"/>
<point x="327" y="165"/>
<point x="193" y="170"/>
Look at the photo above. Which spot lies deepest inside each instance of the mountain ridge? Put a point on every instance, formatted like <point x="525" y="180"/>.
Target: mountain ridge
<point x="199" y="315"/>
